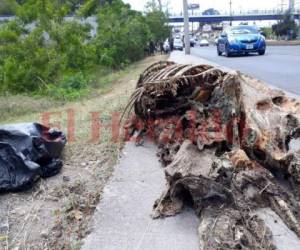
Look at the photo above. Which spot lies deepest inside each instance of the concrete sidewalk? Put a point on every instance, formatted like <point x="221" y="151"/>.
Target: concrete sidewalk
<point x="123" y="217"/>
<point x="122" y="220"/>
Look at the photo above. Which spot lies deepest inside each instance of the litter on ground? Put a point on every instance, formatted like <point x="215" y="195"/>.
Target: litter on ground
<point x="28" y="152"/>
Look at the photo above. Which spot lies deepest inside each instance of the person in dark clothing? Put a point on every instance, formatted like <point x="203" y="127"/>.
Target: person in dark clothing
<point x="171" y="44"/>
<point x="151" y="48"/>
<point x="161" y="47"/>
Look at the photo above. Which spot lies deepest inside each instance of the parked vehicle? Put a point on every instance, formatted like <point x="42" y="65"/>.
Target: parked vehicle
<point x="178" y="44"/>
<point x="242" y="39"/>
<point x="203" y="43"/>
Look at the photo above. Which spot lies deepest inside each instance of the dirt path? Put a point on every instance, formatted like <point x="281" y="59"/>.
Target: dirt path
<point x="55" y="214"/>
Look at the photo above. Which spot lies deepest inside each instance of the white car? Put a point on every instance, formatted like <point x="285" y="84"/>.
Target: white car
<point x="178" y="44"/>
<point x="204" y="42"/>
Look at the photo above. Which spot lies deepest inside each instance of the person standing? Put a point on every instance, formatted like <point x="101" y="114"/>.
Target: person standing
<point x="151" y="48"/>
<point x="161" y="47"/>
<point x="171" y="43"/>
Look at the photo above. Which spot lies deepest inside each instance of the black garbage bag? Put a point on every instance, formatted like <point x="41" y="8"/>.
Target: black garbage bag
<point x="27" y="152"/>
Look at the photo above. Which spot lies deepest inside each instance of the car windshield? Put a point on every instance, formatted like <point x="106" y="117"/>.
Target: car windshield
<point x="243" y="30"/>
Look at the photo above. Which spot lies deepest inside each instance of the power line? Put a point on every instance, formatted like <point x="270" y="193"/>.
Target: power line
<point x="230" y="11"/>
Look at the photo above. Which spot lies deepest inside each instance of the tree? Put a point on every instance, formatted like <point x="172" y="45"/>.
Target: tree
<point x="267" y="32"/>
<point x="91" y="7"/>
<point x="286" y="27"/>
<point x="122" y="35"/>
<point x="157" y="21"/>
<point x="56" y="56"/>
<point x="32" y="60"/>
<point x="160" y="5"/>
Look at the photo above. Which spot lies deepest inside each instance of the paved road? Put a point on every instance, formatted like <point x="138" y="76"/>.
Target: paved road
<point x="280" y="66"/>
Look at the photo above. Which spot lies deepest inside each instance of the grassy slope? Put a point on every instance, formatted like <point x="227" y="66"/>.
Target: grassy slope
<point x="56" y="212"/>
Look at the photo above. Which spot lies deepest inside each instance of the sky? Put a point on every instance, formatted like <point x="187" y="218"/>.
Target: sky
<point x="222" y="5"/>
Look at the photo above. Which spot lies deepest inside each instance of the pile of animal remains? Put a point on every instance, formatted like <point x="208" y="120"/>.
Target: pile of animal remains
<point x="225" y="141"/>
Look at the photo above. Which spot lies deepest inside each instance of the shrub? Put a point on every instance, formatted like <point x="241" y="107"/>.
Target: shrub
<point x="27" y="64"/>
<point x="42" y="59"/>
<point x="71" y="87"/>
<point x="71" y="39"/>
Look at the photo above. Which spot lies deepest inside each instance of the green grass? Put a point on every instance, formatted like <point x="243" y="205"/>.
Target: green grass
<point x="102" y="79"/>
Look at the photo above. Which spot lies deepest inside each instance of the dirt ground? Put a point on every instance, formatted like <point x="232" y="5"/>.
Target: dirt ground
<point x="55" y="214"/>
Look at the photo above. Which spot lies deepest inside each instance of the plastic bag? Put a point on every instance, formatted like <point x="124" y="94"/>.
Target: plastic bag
<point x="27" y="152"/>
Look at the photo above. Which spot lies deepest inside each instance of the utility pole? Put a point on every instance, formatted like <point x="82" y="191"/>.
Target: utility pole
<point x="160" y="5"/>
<point x="230" y="11"/>
<point x="292" y="6"/>
<point x="186" y="28"/>
<point x="281" y="5"/>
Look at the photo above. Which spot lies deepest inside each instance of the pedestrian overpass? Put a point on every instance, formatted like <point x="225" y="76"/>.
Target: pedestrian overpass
<point x="234" y="17"/>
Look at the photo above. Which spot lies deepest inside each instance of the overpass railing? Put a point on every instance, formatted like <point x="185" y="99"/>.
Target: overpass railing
<point x="246" y="13"/>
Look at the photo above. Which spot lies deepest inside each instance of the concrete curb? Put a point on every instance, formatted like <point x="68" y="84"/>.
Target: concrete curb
<point x="180" y="57"/>
<point x="283" y="43"/>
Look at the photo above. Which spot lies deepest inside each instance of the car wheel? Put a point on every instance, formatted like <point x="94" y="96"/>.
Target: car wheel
<point x="262" y="52"/>
<point x="219" y="52"/>
<point x="227" y="53"/>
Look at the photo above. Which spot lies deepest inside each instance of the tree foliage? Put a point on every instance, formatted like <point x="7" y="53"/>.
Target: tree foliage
<point x="122" y="34"/>
<point x="157" y="21"/>
<point x="267" y="32"/>
<point x="42" y="52"/>
<point x="33" y="59"/>
<point x="286" y="27"/>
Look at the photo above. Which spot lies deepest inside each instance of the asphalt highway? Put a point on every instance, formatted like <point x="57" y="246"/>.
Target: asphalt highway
<point x="280" y="66"/>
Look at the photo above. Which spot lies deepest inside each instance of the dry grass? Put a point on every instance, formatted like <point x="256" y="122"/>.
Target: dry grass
<point x="55" y="214"/>
<point x="12" y="106"/>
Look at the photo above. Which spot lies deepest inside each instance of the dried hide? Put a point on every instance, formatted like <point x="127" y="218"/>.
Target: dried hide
<point x="225" y="141"/>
